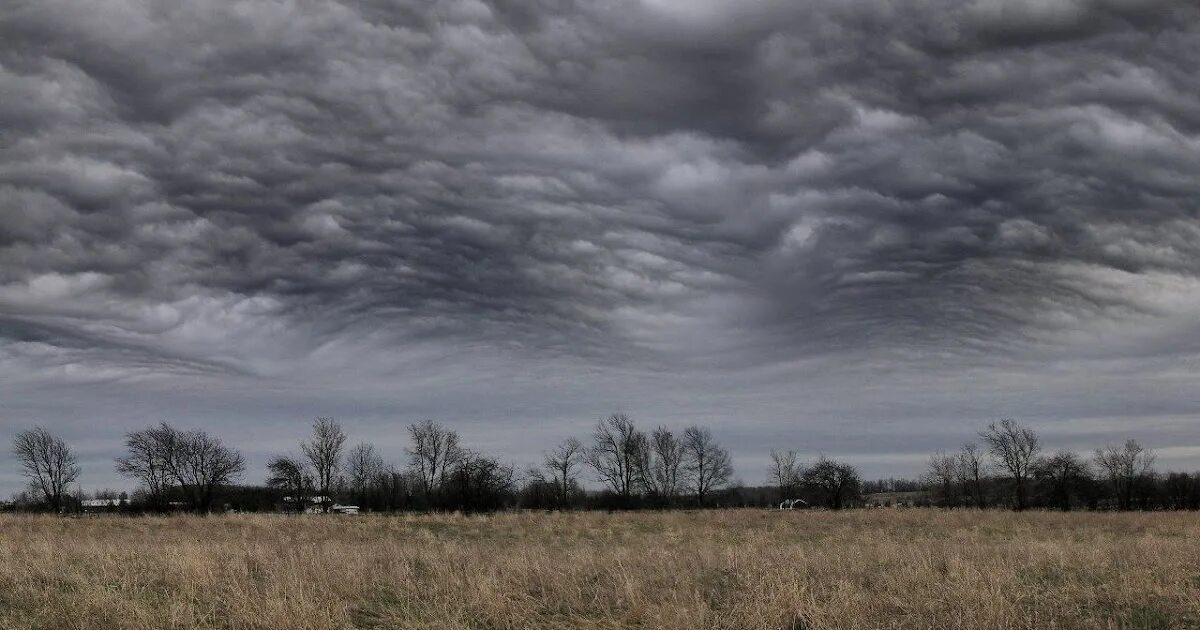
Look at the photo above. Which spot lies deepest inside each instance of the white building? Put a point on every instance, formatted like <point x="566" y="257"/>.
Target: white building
<point x="101" y="505"/>
<point x="315" y="505"/>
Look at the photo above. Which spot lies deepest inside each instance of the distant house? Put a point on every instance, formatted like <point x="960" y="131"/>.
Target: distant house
<point x="316" y="505"/>
<point x="101" y="506"/>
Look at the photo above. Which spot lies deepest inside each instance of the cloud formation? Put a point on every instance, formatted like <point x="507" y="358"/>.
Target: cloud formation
<point x="731" y="197"/>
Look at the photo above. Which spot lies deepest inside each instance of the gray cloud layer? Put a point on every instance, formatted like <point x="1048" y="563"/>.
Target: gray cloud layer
<point x="901" y="217"/>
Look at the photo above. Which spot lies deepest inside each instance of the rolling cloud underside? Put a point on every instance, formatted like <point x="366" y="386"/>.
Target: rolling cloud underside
<point x="209" y="186"/>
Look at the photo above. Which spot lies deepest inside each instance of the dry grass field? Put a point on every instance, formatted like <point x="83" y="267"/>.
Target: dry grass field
<point x="718" y="569"/>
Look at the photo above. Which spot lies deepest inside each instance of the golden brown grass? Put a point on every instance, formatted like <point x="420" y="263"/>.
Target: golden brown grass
<point x="717" y="569"/>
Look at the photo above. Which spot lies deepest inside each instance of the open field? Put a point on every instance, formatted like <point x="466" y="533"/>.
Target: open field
<point x="718" y="569"/>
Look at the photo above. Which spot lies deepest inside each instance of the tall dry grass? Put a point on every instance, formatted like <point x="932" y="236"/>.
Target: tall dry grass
<point x="718" y="569"/>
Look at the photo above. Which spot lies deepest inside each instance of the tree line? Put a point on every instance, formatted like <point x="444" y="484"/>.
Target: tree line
<point x="193" y="470"/>
<point x="1011" y="469"/>
<point x="177" y="469"/>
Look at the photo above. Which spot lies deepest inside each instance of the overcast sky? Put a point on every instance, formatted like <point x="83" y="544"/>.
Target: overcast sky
<point x="857" y="227"/>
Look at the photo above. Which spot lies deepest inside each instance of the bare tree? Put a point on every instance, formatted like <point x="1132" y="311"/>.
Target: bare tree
<point x="1125" y="465"/>
<point x="201" y="464"/>
<point x="395" y="487"/>
<point x="290" y="475"/>
<point x="660" y="464"/>
<point x="969" y="471"/>
<point x="706" y="464"/>
<point x="475" y="482"/>
<point x="563" y="465"/>
<point x="785" y="472"/>
<point x="146" y="460"/>
<point x="433" y="452"/>
<point x="616" y="449"/>
<point x="198" y="462"/>
<point x="1015" y="449"/>
<point x="1062" y="472"/>
<point x="47" y="462"/>
<point x="1181" y="490"/>
<point x="941" y="473"/>
<point x="363" y="465"/>
<point x="836" y="482"/>
<point x="324" y="453"/>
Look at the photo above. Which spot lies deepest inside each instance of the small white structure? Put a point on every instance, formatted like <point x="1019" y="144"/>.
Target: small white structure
<point x="316" y="505"/>
<point x="95" y="506"/>
<point x="100" y="503"/>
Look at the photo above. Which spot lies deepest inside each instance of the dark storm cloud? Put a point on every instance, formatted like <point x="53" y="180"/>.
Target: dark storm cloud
<point x="213" y="186"/>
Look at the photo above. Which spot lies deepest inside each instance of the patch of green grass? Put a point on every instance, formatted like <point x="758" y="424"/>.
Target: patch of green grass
<point x="1153" y="617"/>
<point x="719" y="588"/>
<point x="1043" y="578"/>
<point x="385" y="609"/>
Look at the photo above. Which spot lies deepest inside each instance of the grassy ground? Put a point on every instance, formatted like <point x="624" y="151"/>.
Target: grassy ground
<point x="719" y="569"/>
